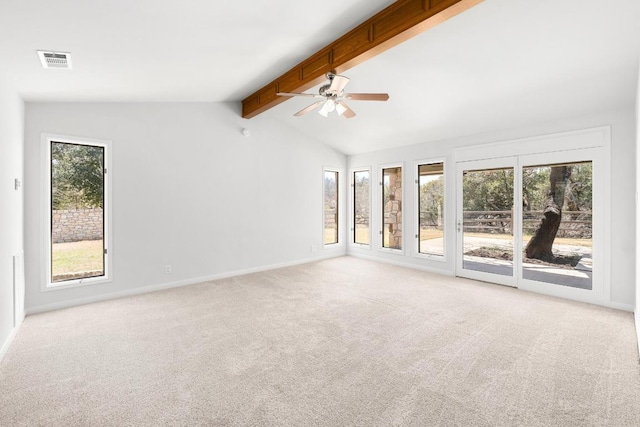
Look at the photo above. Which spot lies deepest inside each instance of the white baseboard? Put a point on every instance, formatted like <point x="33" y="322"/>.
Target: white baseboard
<point x="610" y="304"/>
<point x="152" y="288"/>
<point x="8" y="341"/>
<point x="620" y="306"/>
<point x="402" y="264"/>
<point x="636" y="316"/>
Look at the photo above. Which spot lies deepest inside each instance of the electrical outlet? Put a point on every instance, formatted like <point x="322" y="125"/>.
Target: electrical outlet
<point x="167" y="269"/>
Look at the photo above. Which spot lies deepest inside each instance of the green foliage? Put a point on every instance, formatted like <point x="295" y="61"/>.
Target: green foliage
<point x="391" y="177"/>
<point x="581" y="186"/>
<point x="492" y="190"/>
<point x="362" y="197"/>
<point x="330" y="190"/>
<point x="77" y="177"/>
<point x="578" y="188"/>
<point x="488" y="190"/>
<point x="535" y="188"/>
<point x="431" y="201"/>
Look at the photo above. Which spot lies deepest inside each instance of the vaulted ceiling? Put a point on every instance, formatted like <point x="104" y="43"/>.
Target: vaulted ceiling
<point x="501" y="64"/>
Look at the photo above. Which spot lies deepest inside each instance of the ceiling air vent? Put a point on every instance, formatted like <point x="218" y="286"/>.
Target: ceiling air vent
<point x="59" y="60"/>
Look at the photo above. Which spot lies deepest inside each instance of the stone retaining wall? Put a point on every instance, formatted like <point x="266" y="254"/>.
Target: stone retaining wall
<point x="74" y="225"/>
<point x="393" y="209"/>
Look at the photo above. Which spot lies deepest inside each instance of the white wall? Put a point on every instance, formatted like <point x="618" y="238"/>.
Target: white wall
<point x="11" y="223"/>
<point x="189" y="190"/>
<point x="622" y="193"/>
<point x="637" y="219"/>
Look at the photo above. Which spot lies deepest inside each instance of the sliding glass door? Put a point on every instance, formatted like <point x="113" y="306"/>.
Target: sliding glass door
<point x="485" y="221"/>
<point x="550" y="240"/>
<point x="561" y="234"/>
<point x="557" y="223"/>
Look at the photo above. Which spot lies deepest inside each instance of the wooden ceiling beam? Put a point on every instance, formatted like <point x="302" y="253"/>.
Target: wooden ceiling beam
<point x="388" y="28"/>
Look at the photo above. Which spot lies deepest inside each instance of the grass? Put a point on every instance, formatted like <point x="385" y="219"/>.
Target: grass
<point x="329" y="236"/>
<point x="362" y="234"/>
<point x="429" y="234"/>
<point x="77" y="257"/>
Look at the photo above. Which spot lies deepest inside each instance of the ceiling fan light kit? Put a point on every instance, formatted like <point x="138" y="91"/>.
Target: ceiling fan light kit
<point x="333" y="97"/>
<point x="328" y="107"/>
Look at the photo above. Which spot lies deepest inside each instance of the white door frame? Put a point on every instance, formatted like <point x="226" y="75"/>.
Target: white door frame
<point x="570" y="146"/>
<point x="499" y="163"/>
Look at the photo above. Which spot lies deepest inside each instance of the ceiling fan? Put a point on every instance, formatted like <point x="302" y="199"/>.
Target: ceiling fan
<point x="332" y="97"/>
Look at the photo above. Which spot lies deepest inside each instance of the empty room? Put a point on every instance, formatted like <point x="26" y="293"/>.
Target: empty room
<point x="339" y="213"/>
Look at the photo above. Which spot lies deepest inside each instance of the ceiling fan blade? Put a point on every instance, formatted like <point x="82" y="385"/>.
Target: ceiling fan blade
<point x="308" y="95"/>
<point x="348" y="113"/>
<point x="338" y="84"/>
<point x="367" y="96"/>
<point x="309" y="108"/>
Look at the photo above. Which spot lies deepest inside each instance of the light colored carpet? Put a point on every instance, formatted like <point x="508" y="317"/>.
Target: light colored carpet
<point x="338" y="342"/>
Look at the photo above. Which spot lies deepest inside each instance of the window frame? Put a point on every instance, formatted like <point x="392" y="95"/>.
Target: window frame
<point x="558" y="143"/>
<point x="352" y="207"/>
<point x="338" y="173"/>
<point x="416" y="192"/>
<point x="380" y="198"/>
<point x="46" y="283"/>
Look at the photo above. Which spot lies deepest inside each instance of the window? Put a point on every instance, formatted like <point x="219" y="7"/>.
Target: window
<point x="431" y="209"/>
<point x="392" y="207"/>
<point x="361" y="207"/>
<point x="557" y="223"/>
<point x="330" y="207"/>
<point x="77" y="212"/>
<point x="534" y="219"/>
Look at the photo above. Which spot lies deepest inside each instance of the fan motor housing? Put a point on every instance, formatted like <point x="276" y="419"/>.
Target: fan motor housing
<point x="324" y="88"/>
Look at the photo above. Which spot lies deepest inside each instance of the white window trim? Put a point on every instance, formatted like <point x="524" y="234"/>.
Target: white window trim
<point x="381" y="248"/>
<point x="416" y="204"/>
<point x="46" y="284"/>
<point x="340" y="222"/>
<point x="352" y="207"/>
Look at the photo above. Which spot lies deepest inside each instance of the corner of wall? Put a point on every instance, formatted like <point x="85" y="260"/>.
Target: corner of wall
<point x="12" y="224"/>
<point x="4" y="348"/>
<point x="637" y="222"/>
<point x="637" y="317"/>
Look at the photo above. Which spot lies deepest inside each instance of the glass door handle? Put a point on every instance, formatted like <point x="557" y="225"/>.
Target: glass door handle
<point x="459" y="225"/>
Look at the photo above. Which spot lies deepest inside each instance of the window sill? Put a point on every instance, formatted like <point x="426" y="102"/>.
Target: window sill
<point x="75" y="283"/>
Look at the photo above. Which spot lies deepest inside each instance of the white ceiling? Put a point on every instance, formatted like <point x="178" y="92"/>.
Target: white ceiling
<point x="501" y="64"/>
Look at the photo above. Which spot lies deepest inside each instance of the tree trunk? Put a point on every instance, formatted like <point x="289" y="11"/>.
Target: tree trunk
<point x="540" y="245"/>
<point x="569" y="199"/>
